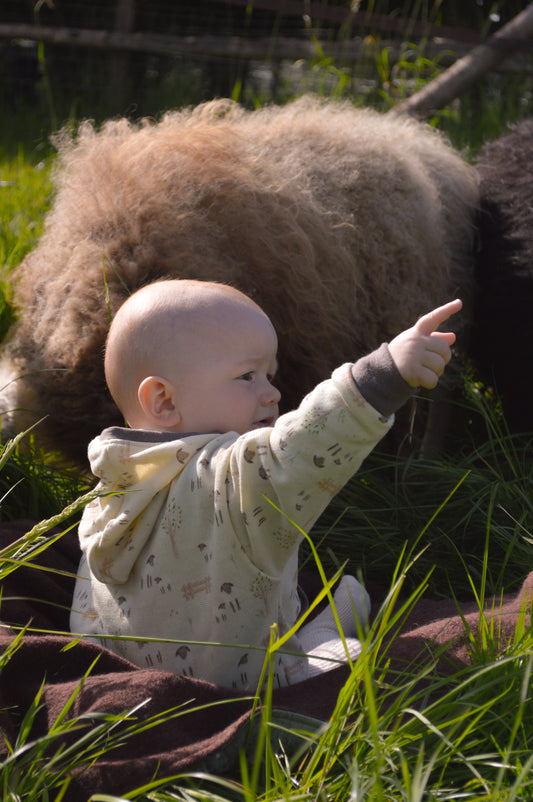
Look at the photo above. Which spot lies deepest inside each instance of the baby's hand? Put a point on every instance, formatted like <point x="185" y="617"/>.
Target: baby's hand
<point x="421" y="353"/>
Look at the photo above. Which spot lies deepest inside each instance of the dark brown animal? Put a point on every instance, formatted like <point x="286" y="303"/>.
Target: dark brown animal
<point x="502" y="330"/>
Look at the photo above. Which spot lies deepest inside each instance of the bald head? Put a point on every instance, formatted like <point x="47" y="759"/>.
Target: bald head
<point x="157" y="327"/>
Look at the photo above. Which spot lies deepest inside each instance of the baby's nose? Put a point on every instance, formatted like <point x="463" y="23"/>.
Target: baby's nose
<point x="271" y="395"/>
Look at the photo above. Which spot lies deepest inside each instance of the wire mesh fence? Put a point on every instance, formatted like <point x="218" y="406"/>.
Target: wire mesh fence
<point x="72" y="59"/>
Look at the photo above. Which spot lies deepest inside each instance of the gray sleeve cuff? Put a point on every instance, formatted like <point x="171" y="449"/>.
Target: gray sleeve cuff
<point x="380" y="382"/>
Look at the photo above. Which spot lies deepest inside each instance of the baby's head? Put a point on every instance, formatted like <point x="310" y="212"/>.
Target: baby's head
<point x="192" y="356"/>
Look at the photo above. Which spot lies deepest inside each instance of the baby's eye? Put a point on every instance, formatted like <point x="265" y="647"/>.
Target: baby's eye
<point x="271" y="377"/>
<point x="247" y="377"/>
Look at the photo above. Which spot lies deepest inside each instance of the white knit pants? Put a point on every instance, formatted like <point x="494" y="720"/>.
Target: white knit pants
<point x="320" y="638"/>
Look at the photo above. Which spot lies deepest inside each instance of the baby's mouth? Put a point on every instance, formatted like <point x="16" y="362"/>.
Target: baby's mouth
<point x="264" y="422"/>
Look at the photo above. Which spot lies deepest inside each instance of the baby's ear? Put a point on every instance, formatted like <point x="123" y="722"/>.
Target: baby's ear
<point x="156" y="397"/>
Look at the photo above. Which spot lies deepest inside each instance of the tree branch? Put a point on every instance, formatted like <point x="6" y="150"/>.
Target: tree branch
<point x="469" y="69"/>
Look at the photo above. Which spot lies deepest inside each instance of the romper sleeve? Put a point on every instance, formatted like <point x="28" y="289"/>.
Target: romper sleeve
<point x="298" y="465"/>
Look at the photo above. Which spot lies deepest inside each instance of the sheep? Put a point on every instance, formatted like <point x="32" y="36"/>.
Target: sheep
<point x="342" y="223"/>
<point x="503" y="353"/>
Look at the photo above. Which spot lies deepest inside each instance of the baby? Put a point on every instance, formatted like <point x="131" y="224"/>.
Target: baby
<point x="184" y="557"/>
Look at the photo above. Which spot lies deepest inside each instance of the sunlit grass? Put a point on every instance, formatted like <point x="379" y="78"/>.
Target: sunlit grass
<point x="25" y="191"/>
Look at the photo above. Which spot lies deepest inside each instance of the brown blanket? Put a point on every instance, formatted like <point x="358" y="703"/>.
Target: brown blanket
<point x="208" y="738"/>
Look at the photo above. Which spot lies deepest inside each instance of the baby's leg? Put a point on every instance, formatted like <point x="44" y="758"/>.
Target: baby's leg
<point x="352" y="604"/>
<point x="320" y="638"/>
<point x="331" y="654"/>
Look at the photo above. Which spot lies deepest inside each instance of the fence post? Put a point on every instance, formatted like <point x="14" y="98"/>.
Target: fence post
<point x="120" y="61"/>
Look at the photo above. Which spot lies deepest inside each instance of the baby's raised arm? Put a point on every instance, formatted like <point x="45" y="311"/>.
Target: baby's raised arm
<point x="421" y="353"/>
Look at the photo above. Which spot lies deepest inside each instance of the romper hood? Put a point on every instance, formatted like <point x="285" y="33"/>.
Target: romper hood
<point x="135" y="470"/>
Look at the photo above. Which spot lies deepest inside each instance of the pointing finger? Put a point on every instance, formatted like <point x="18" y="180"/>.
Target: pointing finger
<point x="428" y="324"/>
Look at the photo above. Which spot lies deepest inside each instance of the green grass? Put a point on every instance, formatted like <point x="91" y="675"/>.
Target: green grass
<point x="460" y="527"/>
<point x="25" y="193"/>
<point x="471" y="510"/>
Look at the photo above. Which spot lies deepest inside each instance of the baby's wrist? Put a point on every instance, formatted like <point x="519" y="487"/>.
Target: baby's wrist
<point x="380" y="382"/>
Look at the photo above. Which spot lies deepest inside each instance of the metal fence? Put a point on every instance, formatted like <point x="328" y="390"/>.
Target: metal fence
<point x="109" y="57"/>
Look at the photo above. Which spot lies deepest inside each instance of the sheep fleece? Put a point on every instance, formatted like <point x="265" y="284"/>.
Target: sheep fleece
<point x="343" y="224"/>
